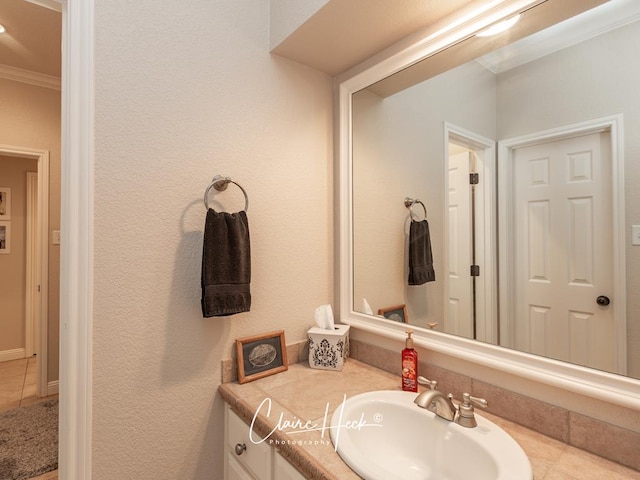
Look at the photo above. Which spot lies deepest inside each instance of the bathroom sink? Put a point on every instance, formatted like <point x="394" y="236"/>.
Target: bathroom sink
<point x="383" y="435"/>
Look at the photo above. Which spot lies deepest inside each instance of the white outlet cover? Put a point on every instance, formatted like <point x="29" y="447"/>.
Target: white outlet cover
<point x="635" y="234"/>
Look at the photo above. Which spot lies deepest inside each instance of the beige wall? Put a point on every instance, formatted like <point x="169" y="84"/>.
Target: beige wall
<point x="13" y="265"/>
<point x="398" y="147"/>
<point x="182" y="94"/>
<point x="287" y="15"/>
<point x="30" y="117"/>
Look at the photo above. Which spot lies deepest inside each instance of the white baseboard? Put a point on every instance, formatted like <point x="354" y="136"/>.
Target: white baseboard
<point x="53" y="388"/>
<point x="15" y="354"/>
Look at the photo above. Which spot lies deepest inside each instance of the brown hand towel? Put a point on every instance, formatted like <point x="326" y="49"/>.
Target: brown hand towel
<point x="226" y="264"/>
<point x="420" y="258"/>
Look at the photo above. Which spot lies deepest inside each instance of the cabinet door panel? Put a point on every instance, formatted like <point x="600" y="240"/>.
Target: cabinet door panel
<point x="256" y="458"/>
<point x="283" y="470"/>
<point x="235" y="470"/>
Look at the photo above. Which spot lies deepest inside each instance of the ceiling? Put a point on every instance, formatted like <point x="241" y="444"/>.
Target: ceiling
<point x="341" y="35"/>
<point x="344" y="33"/>
<point x="33" y="39"/>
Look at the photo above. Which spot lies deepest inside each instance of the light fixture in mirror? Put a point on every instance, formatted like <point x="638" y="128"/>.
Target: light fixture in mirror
<point x="499" y="27"/>
<point x="411" y="131"/>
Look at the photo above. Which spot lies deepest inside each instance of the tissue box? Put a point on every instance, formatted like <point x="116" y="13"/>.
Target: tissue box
<point x="328" y="349"/>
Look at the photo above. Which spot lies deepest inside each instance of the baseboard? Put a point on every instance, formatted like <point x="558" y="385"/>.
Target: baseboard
<point x="53" y="388"/>
<point x="15" y="354"/>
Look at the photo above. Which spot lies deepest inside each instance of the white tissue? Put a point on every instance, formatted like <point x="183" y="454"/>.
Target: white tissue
<point x="324" y="317"/>
<point x="366" y="307"/>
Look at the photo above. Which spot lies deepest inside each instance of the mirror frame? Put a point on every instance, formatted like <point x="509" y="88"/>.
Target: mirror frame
<point x="592" y="383"/>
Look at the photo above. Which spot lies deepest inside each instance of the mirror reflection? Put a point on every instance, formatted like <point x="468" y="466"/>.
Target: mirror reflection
<point x="525" y="162"/>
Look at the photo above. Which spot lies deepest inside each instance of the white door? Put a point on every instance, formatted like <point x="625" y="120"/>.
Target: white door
<point x="563" y="250"/>
<point x="459" y="319"/>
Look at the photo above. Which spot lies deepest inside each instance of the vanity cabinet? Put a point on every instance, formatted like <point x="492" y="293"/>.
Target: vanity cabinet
<point x="244" y="460"/>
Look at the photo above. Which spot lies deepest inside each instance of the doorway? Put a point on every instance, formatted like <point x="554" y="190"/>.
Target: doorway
<point x="563" y="288"/>
<point x="37" y="268"/>
<point x="470" y="290"/>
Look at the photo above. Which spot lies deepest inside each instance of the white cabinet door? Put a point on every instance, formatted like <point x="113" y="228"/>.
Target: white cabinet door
<point x="255" y="458"/>
<point x="234" y="470"/>
<point x="283" y="470"/>
<point x="254" y="462"/>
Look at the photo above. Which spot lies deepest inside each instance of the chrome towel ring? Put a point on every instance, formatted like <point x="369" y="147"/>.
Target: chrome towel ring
<point x="220" y="183"/>
<point x="410" y="202"/>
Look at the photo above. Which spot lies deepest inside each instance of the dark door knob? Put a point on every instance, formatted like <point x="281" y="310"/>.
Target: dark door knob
<point x="603" y="301"/>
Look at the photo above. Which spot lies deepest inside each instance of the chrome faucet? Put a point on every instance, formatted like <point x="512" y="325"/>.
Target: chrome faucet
<point x="442" y="405"/>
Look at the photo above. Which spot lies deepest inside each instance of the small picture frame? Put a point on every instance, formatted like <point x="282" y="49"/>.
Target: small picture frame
<point x="261" y="356"/>
<point x="5" y="237"/>
<point x="5" y="203"/>
<point x="397" y="313"/>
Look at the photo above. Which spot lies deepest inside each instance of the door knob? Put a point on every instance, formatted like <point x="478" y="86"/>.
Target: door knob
<point x="603" y="301"/>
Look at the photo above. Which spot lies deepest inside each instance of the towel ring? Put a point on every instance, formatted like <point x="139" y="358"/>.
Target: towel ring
<point x="410" y="202"/>
<point x="221" y="183"/>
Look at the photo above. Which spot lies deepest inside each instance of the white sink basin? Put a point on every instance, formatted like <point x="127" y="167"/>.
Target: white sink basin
<point x="383" y="435"/>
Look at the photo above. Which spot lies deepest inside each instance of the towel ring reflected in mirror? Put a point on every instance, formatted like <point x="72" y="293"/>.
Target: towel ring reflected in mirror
<point x="220" y="183"/>
<point x="410" y="202"/>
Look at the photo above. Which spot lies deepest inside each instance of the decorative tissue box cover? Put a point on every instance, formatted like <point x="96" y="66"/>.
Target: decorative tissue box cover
<point x="328" y="350"/>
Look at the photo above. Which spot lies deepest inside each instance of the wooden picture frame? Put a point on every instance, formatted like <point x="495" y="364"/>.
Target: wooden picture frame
<point x="397" y="313"/>
<point x="5" y="203"/>
<point x="261" y="355"/>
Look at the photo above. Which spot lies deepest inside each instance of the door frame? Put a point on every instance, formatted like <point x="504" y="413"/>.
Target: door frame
<point x="76" y="249"/>
<point x="612" y="124"/>
<point x="486" y="283"/>
<point x="39" y="306"/>
<point x="31" y="244"/>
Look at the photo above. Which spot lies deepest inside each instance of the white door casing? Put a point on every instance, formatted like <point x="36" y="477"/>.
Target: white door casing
<point x="31" y="290"/>
<point x="76" y="249"/>
<point x="560" y="217"/>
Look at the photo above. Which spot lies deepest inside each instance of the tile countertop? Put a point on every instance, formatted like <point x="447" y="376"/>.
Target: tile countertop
<point x="306" y="394"/>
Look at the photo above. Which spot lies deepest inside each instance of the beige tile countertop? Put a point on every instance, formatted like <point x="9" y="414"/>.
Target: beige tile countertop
<point x="305" y="394"/>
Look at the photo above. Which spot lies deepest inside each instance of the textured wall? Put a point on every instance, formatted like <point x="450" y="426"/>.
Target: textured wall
<point x="30" y="117"/>
<point x="287" y="15"/>
<point x="184" y="93"/>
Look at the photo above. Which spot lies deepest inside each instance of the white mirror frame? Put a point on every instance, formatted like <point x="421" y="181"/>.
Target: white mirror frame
<point x="596" y="384"/>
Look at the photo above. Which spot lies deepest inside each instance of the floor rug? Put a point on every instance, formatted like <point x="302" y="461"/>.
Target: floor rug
<point x="29" y="441"/>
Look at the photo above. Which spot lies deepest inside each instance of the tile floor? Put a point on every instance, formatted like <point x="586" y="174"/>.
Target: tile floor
<point x="18" y="389"/>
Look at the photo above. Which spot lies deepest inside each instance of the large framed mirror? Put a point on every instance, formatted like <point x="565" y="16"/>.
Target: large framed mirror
<point x="507" y="164"/>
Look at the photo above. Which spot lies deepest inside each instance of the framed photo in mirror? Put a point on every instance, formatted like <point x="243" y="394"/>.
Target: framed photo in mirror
<point x="5" y="237"/>
<point x="5" y="203"/>
<point x="397" y="313"/>
<point x="261" y="355"/>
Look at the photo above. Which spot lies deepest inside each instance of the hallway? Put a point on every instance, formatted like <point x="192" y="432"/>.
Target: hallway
<point x="18" y="389"/>
<point x="18" y="383"/>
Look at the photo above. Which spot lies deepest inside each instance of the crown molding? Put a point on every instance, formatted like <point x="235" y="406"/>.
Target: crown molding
<point x="32" y="78"/>
<point x="55" y="5"/>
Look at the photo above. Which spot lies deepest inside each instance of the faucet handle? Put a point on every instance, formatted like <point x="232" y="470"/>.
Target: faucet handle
<point x="432" y="384"/>
<point x="467" y="400"/>
<point x="466" y="416"/>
